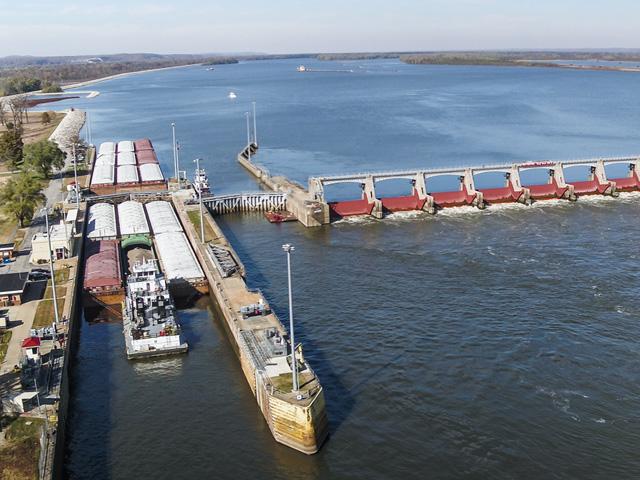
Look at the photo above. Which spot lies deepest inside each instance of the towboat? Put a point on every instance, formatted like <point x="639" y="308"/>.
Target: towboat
<point x="149" y="319"/>
<point x="201" y="182"/>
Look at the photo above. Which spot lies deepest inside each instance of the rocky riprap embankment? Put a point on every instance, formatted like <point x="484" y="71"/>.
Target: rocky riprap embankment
<point x="68" y="130"/>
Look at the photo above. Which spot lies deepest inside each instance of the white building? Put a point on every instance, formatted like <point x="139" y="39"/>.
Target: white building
<point x="62" y="237"/>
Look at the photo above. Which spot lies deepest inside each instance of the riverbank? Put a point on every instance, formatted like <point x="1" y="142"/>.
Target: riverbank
<point x="123" y="75"/>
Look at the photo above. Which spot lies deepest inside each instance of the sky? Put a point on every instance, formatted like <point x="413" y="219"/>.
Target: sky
<point x="74" y="27"/>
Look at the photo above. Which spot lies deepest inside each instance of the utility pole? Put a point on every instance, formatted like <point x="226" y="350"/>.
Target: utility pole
<point x="53" y="277"/>
<point x="175" y="150"/>
<point x="288" y="248"/>
<point x="197" y="160"/>
<point x="255" y="129"/>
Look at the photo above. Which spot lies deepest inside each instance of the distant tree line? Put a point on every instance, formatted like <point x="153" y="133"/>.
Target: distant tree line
<point x="26" y="79"/>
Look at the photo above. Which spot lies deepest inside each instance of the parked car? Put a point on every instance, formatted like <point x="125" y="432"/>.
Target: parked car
<point x="37" y="276"/>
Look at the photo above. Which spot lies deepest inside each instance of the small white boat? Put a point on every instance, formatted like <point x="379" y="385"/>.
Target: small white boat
<point x="232" y="95"/>
<point x="302" y="68"/>
<point x="210" y="69"/>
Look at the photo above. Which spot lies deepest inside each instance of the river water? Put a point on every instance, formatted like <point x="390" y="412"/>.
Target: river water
<point x="496" y="344"/>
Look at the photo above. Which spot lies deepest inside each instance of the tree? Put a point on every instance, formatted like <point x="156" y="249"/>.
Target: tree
<point x="11" y="147"/>
<point x="45" y="118"/>
<point x="20" y="196"/>
<point x="42" y="157"/>
<point x="19" y="107"/>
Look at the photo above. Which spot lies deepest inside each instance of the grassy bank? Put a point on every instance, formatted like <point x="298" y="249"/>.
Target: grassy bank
<point x="194" y="216"/>
<point x="20" y="452"/>
<point x="5" y="338"/>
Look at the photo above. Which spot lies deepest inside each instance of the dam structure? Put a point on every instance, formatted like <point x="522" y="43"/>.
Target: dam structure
<point x="312" y="208"/>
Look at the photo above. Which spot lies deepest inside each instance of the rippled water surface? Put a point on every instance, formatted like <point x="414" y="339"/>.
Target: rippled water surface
<point x="496" y="344"/>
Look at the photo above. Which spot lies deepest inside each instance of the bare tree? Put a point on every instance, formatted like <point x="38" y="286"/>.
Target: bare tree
<point x="3" y="113"/>
<point x="19" y="107"/>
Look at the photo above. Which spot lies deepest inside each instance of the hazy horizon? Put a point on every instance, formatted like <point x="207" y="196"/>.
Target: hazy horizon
<point x="39" y="28"/>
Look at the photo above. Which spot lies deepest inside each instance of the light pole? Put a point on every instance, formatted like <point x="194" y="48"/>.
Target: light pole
<point x="197" y="160"/>
<point x="246" y="114"/>
<point x="175" y="149"/>
<point x="294" y="366"/>
<point x="255" y="129"/>
<point x="178" y="162"/>
<point x="53" y="277"/>
<point x="75" y="175"/>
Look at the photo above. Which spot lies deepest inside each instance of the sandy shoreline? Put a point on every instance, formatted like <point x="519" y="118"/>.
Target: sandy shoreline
<point x="120" y="75"/>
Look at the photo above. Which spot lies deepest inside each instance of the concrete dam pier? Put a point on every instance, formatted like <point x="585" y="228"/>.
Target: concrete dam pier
<point x="309" y="211"/>
<point x="313" y="209"/>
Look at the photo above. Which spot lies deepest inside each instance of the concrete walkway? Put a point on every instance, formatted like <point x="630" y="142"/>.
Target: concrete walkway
<point x="24" y="313"/>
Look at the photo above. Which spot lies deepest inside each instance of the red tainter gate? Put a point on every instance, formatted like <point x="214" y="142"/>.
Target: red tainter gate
<point x="403" y="204"/>
<point x="351" y="207"/>
<point x="549" y="190"/>
<point x="502" y="195"/>
<point x="454" y="199"/>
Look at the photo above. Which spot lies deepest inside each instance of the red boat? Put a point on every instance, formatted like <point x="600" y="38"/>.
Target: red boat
<point x="279" y="217"/>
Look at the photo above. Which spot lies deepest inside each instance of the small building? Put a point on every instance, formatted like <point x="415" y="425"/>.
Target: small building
<point x="31" y="349"/>
<point x="7" y="251"/>
<point x="12" y="288"/>
<point x="62" y="236"/>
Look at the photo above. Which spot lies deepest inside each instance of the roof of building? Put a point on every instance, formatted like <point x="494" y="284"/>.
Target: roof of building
<point x="103" y="174"/>
<point x="177" y="257"/>
<point x="125" y="146"/>
<point x="150" y="172"/>
<point x="102" y="265"/>
<point x="162" y="217"/>
<point x="106" y="147"/>
<point x="102" y="221"/>
<point x="31" y="342"/>
<point x="72" y="215"/>
<point x="127" y="174"/>
<point x="126" y="158"/>
<point x="132" y="218"/>
<point x="13" y="283"/>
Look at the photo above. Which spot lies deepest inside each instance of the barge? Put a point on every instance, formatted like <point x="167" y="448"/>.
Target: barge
<point x="102" y="284"/>
<point x="126" y="166"/>
<point x="149" y="320"/>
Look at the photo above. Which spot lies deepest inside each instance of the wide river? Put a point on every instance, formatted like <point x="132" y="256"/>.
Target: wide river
<point x="496" y="344"/>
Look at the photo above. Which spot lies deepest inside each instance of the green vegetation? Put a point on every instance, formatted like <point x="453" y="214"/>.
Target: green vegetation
<point x="15" y="85"/>
<point x="30" y="74"/>
<point x="11" y="147"/>
<point x="44" y="313"/>
<point x="19" y="456"/>
<point x="5" y="337"/>
<point x="42" y="157"/>
<point x="51" y="88"/>
<point x="194" y="216"/>
<point x="20" y="196"/>
<point x="45" y="118"/>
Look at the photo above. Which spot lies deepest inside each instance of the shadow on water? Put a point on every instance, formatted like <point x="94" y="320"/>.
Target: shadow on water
<point x="90" y="421"/>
